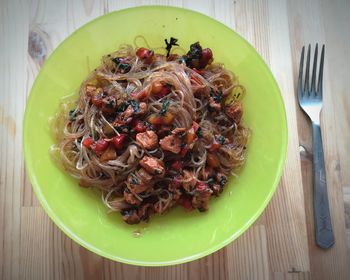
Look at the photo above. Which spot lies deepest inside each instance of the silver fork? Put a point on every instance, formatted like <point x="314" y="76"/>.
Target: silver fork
<point x="310" y="100"/>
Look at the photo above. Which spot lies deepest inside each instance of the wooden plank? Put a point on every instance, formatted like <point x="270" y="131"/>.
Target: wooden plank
<point x="346" y="191"/>
<point x="286" y="217"/>
<point x="283" y="227"/>
<point x="332" y="263"/>
<point x="248" y="255"/>
<point x="12" y="66"/>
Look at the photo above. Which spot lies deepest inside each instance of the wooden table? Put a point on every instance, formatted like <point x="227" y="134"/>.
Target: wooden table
<point x="280" y="245"/>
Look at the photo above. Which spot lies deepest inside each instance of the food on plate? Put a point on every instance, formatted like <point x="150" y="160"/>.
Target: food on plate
<point x="154" y="130"/>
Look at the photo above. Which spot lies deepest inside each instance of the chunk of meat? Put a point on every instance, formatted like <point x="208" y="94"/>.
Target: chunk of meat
<point x="130" y="216"/>
<point x="135" y="184"/>
<point x="144" y="176"/>
<point x="235" y="112"/>
<point x="217" y="189"/>
<point x="145" y="211"/>
<point x="201" y="199"/>
<point x="153" y="165"/>
<point x="147" y="139"/>
<point x="171" y="143"/>
<point x="143" y="108"/>
<point x="109" y="154"/>
<point x="189" y="181"/>
<point x="131" y="199"/>
<point x="109" y="105"/>
<point x="164" y="130"/>
<point x="130" y="111"/>
<point x="90" y="89"/>
<point x="178" y="130"/>
<point x="206" y="173"/>
<point x="83" y="183"/>
<point x="176" y="194"/>
<point x="213" y="160"/>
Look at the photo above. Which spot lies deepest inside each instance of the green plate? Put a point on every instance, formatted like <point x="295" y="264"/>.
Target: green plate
<point x="178" y="236"/>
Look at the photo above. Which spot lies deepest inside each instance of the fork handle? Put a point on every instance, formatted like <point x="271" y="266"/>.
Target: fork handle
<point x="323" y="225"/>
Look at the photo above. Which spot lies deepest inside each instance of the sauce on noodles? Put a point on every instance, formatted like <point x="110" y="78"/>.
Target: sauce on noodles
<point x="152" y="131"/>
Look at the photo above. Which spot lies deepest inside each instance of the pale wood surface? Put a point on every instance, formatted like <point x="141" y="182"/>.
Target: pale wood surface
<point x="280" y="245"/>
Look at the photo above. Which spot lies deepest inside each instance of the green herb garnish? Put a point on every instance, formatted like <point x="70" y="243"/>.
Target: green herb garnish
<point x="122" y="107"/>
<point x="72" y="115"/>
<point x="135" y="105"/>
<point x="165" y="107"/>
<point x="221" y="139"/>
<point x="223" y="180"/>
<point x="200" y="132"/>
<point x="169" y="45"/>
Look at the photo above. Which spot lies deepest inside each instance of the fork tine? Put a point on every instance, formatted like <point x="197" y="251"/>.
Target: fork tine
<point x="306" y="85"/>
<point x="320" y="74"/>
<point x="300" y="77"/>
<point x="313" y="78"/>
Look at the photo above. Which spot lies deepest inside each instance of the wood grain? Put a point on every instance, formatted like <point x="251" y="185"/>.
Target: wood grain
<point x="280" y="245"/>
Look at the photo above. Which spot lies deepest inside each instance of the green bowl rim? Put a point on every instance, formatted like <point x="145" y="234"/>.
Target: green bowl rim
<point x="207" y="252"/>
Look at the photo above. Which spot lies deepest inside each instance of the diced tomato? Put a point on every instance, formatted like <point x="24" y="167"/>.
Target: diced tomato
<point x="164" y="91"/>
<point x="142" y="52"/>
<point x="139" y="126"/>
<point x="176" y="165"/>
<point x="156" y="119"/>
<point x="195" y="126"/>
<point x="88" y="142"/>
<point x="191" y="136"/>
<point x="215" y="146"/>
<point x="157" y="87"/>
<point x="167" y="118"/>
<point x="207" y="56"/>
<point x="141" y="95"/>
<point x="161" y="89"/>
<point x="145" y="54"/>
<point x="201" y="186"/>
<point x="118" y="141"/>
<point x="184" y="150"/>
<point x="212" y="160"/>
<point x="99" y="146"/>
<point x="97" y="101"/>
<point x="185" y="202"/>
